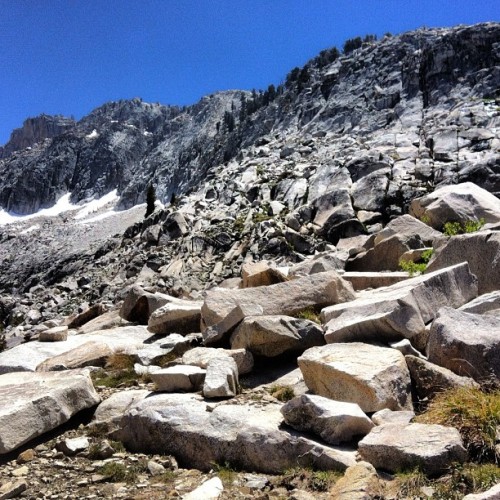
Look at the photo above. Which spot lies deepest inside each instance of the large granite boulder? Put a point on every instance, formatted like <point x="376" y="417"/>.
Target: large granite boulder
<point x="482" y="252"/>
<point x="401" y="310"/>
<point x="262" y="273"/>
<point x="201" y="356"/>
<point x="291" y="297"/>
<point x="334" y="421"/>
<point x="373" y="377"/>
<point x="456" y="203"/>
<point x="221" y="380"/>
<point x="35" y="403"/>
<point x="271" y="336"/>
<point x="395" y="447"/>
<point x="176" y="317"/>
<point x="248" y="436"/>
<point x="467" y="344"/>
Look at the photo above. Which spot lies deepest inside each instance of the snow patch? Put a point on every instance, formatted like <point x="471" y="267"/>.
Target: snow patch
<point x="110" y="213"/>
<point x="92" y="134"/>
<point x="29" y="229"/>
<point x="95" y="205"/>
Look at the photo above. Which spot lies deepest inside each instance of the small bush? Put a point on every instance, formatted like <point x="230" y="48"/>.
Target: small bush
<point x="476" y="415"/>
<point x="307" y="478"/>
<point x="117" y="472"/>
<point x="470" y="226"/>
<point x="413" y="268"/>
<point x="123" y="378"/>
<point x="225" y="472"/>
<point x="310" y="314"/>
<point x="282" y="392"/>
<point x="120" y="361"/>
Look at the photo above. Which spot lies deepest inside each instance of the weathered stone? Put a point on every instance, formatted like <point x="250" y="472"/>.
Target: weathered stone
<point x="139" y="304"/>
<point x="209" y="490"/>
<point x="492" y="494"/>
<point x="401" y="310"/>
<point x="360" y="482"/>
<point x="481" y="251"/>
<point x="13" y="489"/>
<point x="27" y="357"/>
<point x="105" y="321"/>
<point x="321" y="263"/>
<point x="371" y="376"/>
<point x="456" y="203"/>
<point x="26" y="456"/>
<point x="221" y="380"/>
<point x="317" y="290"/>
<point x="73" y="446"/>
<point x="394" y="447"/>
<point x="176" y="317"/>
<point x="387" y="416"/>
<point x="109" y="413"/>
<point x="467" y="344"/>
<point x="271" y="336"/>
<point x="484" y="304"/>
<point x="84" y="317"/>
<point x="246" y="435"/>
<point x="179" y="378"/>
<point x="364" y="280"/>
<point x="201" y="356"/>
<point x="404" y="347"/>
<point x="262" y="273"/>
<point x="430" y="379"/>
<point x="34" y="403"/>
<point x="385" y="256"/>
<point x="56" y="334"/>
<point x="334" y="421"/>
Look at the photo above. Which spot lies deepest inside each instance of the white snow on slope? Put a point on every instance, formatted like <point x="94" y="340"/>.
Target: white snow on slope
<point x="92" y="135"/>
<point x="95" y="205"/>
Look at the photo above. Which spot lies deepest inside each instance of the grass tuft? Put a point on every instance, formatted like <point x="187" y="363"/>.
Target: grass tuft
<point x="282" y="392"/>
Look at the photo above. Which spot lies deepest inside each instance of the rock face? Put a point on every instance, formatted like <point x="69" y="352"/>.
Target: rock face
<point x="371" y="376"/>
<point x="244" y="435"/>
<point x="401" y="310"/>
<point x="287" y="298"/>
<point x="271" y="336"/>
<point x="394" y="447"/>
<point x="468" y="344"/>
<point x="334" y="421"/>
<point x="34" y="403"/>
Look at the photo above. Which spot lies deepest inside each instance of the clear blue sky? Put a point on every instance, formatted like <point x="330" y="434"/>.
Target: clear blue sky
<point x="70" y="56"/>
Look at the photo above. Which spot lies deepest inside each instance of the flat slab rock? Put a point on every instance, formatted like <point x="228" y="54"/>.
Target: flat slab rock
<point x="373" y="377"/>
<point x="246" y="435"/>
<point x="26" y="357"/>
<point x="34" y="403"/>
<point x="394" y="447"/>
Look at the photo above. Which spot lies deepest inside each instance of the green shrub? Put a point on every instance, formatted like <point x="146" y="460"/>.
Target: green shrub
<point x="225" y="472"/>
<point x="310" y="314"/>
<point x="413" y="268"/>
<point x="282" y="392"/>
<point x="470" y="226"/>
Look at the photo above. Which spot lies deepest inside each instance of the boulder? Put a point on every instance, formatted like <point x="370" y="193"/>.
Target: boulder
<point x="456" y="203"/>
<point x="467" y="344"/>
<point x="401" y="310"/>
<point x="73" y="446"/>
<point x="408" y="226"/>
<point x="246" y="435"/>
<point x="176" y="317"/>
<point x="56" y="334"/>
<point x="35" y="403"/>
<point x="27" y="357"/>
<point x="109" y="413"/>
<point x="320" y="263"/>
<point x="385" y="256"/>
<point x="221" y="380"/>
<point x="387" y="416"/>
<point x="92" y="353"/>
<point x="139" y="304"/>
<point x="170" y="347"/>
<point x="366" y="279"/>
<point x="373" y="377"/>
<point x="209" y="490"/>
<point x="201" y="356"/>
<point x="317" y="290"/>
<point x="429" y="379"/>
<point x="179" y="378"/>
<point x="89" y="314"/>
<point x="488" y="303"/>
<point x="334" y="421"/>
<point x="270" y="336"/>
<point x="105" y="321"/>
<point x="482" y="252"/>
<point x="395" y="447"/>
<point x="262" y="273"/>
<point x="360" y="482"/>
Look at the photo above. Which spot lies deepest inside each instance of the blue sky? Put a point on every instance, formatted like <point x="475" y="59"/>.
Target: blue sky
<point x="70" y="56"/>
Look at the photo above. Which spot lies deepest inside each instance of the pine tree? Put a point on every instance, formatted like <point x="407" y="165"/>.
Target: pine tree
<point x="150" y="200"/>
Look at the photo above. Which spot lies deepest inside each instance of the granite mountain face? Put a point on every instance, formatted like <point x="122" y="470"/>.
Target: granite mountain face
<point x="429" y="90"/>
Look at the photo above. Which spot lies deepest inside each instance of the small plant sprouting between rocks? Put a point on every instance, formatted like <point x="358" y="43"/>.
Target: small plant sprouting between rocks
<point x="225" y="472"/>
<point x="413" y="268"/>
<point x="476" y="415"/>
<point x="470" y="226"/>
<point x="117" y="472"/>
<point x="282" y="393"/>
<point x="310" y="314"/>
<point x="307" y="478"/>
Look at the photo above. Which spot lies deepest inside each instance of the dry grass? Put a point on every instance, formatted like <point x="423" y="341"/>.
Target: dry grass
<point x="476" y="415"/>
